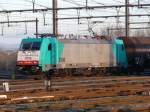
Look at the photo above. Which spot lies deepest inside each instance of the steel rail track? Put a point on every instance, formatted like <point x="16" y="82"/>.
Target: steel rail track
<point x="80" y="101"/>
<point x="91" y="83"/>
<point x="68" y="84"/>
<point x="78" y="80"/>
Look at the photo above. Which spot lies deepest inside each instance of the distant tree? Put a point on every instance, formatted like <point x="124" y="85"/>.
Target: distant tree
<point x="7" y="61"/>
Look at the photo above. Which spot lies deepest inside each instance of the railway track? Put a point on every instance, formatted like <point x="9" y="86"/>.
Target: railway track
<point x="86" y="103"/>
<point x="103" y="93"/>
<point x="8" y="75"/>
<point x="80" y="79"/>
<point x="39" y="84"/>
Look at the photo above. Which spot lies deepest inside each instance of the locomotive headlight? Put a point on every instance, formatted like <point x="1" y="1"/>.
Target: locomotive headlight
<point x="29" y="53"/>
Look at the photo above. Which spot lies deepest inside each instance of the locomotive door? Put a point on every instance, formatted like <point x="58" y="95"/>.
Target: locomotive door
<point x="51" y="50"/>
<point x="121" y="55"/>
<point x="118" y="55"/>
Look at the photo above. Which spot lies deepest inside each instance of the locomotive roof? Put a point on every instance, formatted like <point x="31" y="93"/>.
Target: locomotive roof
<point x="32" y="39"/>
<point x="87" y="41"/>
<point x="84" y="41"/>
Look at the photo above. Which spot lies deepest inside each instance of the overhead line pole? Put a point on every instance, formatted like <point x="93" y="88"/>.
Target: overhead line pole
<point x="127" y="18"/>
<point x="55" y="21"/>
<point x="37" y="28"/>
<point x="86" y="3"/>
<point x="138" y="3"/>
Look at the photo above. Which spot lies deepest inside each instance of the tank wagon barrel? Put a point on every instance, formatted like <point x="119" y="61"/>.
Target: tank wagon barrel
<point x="137" y="50"/>
<point x="137" y="46"/>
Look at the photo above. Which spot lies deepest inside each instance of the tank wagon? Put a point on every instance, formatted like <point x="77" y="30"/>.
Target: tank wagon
<point x="91" y="55"/>
<point x="138" y="53"/>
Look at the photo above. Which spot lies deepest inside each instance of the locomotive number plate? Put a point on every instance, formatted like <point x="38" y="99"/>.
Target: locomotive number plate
<point x="28" y="58"/>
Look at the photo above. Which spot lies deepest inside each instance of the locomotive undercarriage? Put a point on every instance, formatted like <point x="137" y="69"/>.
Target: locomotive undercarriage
<point x="36" y="72"/>
<point x="98" y="71"/>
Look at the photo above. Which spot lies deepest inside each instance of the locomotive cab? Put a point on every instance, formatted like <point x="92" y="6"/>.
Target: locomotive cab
<point x="120" y="53"/>
<point x="39" y="54"/>
<point x="50" y="53"/>
<point x="29" y="54"/>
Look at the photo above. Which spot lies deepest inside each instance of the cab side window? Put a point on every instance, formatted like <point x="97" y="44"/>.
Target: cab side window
<point x="122" y="48"/>
<point x="50" y="47"/>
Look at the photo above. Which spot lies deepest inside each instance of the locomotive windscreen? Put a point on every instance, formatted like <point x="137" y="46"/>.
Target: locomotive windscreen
<point x="36" y="46"/>
<point x="30" y="46"/>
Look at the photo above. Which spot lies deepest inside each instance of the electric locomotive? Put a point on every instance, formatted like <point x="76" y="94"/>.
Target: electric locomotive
<point x="71" y="55"/>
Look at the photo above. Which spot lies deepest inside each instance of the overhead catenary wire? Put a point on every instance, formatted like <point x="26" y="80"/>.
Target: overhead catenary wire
<point x="108" y="16"/>
<point x="73" y="2"/>
<point x="23" y="21"/>
<point x="34" y="3"/>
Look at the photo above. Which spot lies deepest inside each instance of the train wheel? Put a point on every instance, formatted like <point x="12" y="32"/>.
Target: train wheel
<point x="95" y="71"/>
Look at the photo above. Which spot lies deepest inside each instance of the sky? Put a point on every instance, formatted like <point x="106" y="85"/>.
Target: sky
<point x="17" y="31"/>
